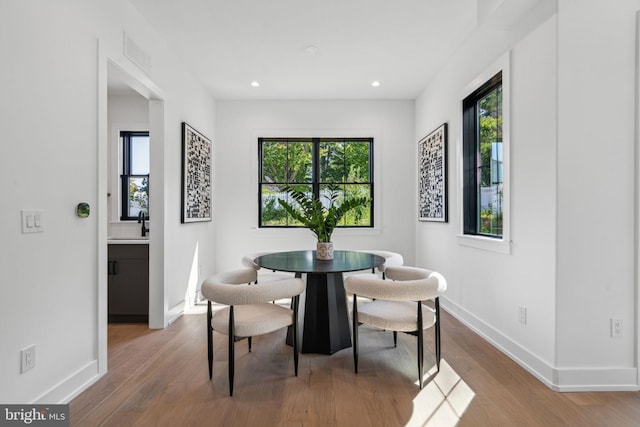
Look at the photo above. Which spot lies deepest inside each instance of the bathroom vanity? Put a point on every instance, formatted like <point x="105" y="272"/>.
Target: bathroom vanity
<point x="128" y="282"/>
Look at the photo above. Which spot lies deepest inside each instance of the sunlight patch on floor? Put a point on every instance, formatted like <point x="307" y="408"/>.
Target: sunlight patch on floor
<point x="442" y="400"/>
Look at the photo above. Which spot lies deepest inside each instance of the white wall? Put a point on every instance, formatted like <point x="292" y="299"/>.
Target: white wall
<point x="572" y="158"/>
<point x="240" y="123"/>
<point x="596" y="149"/>
<point x="49" y="134"/>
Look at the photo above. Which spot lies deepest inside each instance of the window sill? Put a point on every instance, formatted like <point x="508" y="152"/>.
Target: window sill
<point x="500" y="246"/>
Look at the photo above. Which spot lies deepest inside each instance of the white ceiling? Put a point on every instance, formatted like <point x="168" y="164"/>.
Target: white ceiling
<point x="230" y="43"/>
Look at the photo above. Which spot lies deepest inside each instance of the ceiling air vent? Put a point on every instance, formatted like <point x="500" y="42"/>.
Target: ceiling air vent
<point x="136" y="55"/>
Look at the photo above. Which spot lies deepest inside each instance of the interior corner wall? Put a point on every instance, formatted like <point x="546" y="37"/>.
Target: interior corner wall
<point x="49" y="134"/>
<point x="240" y="123"/>
<point x="596" y="194"/>
<point x="485" y="288"/>
<point x="572" y="160"/>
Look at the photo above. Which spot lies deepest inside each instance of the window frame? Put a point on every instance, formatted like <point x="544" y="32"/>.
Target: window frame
<point x="470" y="148"/>
<point x="125" y="137"/>
<point x="502" y="244"/>
<point x="315" y="182"/>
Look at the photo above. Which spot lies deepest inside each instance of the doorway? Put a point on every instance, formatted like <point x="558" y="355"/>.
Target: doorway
<point x="126" y="79"/>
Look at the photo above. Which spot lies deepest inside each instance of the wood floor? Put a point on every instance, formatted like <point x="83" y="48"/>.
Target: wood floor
<point x="160" y="378"/>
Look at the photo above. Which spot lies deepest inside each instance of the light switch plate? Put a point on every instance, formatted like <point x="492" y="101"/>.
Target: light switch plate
<point x="32" y="220"/>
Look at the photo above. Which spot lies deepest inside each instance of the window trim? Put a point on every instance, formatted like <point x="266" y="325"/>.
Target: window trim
<point x="493" y="244"/>
<point x="316" y="183"/>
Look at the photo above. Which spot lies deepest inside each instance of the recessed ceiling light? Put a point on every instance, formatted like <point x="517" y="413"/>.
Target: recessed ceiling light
<point x="311" y="50"/>
<point x="255" y="84"/>
<point x="375" y="83"/>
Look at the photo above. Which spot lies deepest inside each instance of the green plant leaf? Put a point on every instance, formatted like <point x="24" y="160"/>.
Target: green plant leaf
<point x="313" y="215"/>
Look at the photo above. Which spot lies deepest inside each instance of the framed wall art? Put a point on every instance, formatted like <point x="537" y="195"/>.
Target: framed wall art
<point x="196" y="176"/>
<point x="432" y="175"/>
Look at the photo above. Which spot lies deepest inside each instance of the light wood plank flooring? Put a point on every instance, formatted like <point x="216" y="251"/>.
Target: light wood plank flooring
<point x="160" y="378"/>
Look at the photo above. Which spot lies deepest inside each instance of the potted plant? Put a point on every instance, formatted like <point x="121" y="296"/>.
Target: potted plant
<point x="317" y="217"/>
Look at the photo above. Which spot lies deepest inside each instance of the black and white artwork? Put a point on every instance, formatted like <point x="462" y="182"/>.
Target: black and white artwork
<point x="432" y="173"/>
<point x="196" y="176"/>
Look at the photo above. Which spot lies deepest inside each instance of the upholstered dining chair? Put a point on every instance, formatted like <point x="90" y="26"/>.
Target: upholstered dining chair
<point x="249" y="311"/>
<point x="264" y="275"/>
<point x="390" y="259"/>
<point x="399" y="305"/>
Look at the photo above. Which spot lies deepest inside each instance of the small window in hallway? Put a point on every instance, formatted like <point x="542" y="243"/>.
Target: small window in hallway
<point x="134" y="180"/>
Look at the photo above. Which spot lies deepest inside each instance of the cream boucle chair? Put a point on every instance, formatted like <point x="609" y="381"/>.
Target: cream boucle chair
<point x="264" y="276"/>
<point x="390" y="259"/>
<point x="398" y="305"/>
<point x="249" y="312"/>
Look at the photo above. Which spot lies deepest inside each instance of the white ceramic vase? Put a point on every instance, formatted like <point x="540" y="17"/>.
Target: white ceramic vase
<point x="324" y="250"/>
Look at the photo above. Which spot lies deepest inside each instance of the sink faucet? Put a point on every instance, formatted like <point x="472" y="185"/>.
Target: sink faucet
<point x="141" y="219"/>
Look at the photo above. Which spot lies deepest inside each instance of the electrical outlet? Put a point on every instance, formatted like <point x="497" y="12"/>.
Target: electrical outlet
<point x="522" y="314"/>
<point x="27" y="358"/>
<point x="616" y="328"/>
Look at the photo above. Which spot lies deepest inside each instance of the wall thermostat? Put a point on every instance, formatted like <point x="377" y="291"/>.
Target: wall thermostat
<point x="83" y="210"/>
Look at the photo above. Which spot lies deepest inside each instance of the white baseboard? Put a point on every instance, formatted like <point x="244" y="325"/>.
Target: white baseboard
<point x="558" y="379"/>
<point x="175" y="312"/>
<point x="596" y="379"/>
<point x="72" y="386"/>
<point x="198" y="297"/>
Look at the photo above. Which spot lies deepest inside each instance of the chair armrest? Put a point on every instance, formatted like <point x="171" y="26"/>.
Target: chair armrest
<point x="235" y="277"/>
<point x="397" y="290"/>
<point x="258" y="293"/>
<point x="403" y="272"/>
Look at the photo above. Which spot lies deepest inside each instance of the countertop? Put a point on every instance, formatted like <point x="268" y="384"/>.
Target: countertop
<point x="128" y="240"/>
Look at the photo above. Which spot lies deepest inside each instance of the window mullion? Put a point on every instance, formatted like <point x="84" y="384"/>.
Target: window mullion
<point x="316" y="167"/>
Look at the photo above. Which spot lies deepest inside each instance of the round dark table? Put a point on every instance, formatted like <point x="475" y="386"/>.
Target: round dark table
<point x="326" y="320"/>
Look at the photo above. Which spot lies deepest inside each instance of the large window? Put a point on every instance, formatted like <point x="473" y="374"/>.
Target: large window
<point x="483" y="189"/>
<point x="134" y="180"/>
<point x="314" y="165"/>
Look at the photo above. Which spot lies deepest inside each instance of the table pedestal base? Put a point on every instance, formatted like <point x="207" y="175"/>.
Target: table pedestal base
<point x="326" y="320"/>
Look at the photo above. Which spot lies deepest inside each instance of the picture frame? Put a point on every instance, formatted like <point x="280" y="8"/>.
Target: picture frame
<point x="196" y="176"/>
<point x="432" y="176"/>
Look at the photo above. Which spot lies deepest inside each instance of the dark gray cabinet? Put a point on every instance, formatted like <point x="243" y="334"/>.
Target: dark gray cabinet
<point x="128" y="283"/>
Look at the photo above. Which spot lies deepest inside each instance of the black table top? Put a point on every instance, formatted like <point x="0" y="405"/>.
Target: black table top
<point x="306" y="262"/>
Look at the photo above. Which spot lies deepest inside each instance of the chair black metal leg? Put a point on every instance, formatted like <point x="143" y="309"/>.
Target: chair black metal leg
<point x="437" y="325"/>
<point x="355" y="332"/>
<point x="231" y="352"/>
<point x="249" y="343"/>
<point x="395" y="339"/>
<point x="420" y="344"/>
<point x="210" y="339"/>
<point x="295" y="301"/>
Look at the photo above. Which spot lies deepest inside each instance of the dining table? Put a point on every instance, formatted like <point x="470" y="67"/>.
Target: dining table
<point x="325" y="328"/>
